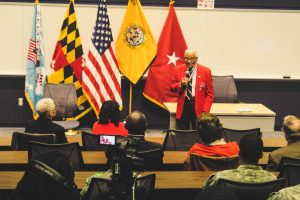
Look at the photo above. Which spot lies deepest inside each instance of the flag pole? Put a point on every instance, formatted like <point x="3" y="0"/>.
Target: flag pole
<point x="130" y="98"/>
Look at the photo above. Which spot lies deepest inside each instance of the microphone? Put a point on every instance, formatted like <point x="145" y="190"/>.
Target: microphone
<point x="187" y="74"/>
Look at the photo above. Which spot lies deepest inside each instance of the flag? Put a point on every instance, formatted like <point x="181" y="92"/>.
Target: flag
<point x="101" y="79"/>
<point x="170" y="53"/>
<point x="135" y="46"/>
<point x="68" y="62"/>
<point x="35" y="68"/>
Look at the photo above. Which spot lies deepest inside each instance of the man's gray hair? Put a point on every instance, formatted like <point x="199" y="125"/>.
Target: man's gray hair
<point x="191" y="51"/>
<point x="44" y="106"/>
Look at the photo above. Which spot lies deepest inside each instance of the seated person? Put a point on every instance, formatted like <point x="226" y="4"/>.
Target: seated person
<point x="39" y="181"/>
<point x="289" y="193"/>
<point x="46" y="110"/>
<point x="251" y="150"/>
<point x="109" y="120"/>
<point x="136" y="124"/>
<point x="291" y="129"/>
<point x="211" y="130"/>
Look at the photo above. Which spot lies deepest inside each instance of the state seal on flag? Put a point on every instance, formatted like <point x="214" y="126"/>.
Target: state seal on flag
<point x="134" y="35"/>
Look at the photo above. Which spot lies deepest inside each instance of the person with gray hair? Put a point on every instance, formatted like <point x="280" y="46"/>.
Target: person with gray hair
<point x="46" y="110"/>
<point x="193" y="83"/>
<point x="291" y="129"/>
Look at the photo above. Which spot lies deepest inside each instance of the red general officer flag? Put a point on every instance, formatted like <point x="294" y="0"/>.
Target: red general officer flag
<point x="170" y="51"/>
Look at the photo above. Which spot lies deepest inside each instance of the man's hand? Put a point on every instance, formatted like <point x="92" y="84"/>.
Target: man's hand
<point x="184" y="81"/>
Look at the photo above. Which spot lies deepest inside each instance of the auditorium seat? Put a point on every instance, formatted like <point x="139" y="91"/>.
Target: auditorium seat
<point x="20" y="141"/>
<point x="236" y="135"/>
<point x="224" y="89"/>
<point x="252" y="191"/>
<point x="181" y="140"/>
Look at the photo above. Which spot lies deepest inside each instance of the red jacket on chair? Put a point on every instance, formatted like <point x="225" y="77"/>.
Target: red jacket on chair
<point x="204" y="92"/>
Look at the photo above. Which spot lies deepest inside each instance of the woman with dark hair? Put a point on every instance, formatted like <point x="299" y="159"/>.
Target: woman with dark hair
<point x="109" y="120"/>
<point x="49" y="176"/>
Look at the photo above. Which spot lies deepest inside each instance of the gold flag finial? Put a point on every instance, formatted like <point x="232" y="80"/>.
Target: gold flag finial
<point x="72" y="1"/>
<point x="171" y="2"/>
<point x="36" y="2"/>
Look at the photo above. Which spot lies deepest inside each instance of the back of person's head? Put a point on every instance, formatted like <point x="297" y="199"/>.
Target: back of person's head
<point x="209" y="128"/>
<point x="291" y="125"/>
<point x="251" y="149"/>
<point x="110" y="112"/>
<point x="44" y="107"/>
<point x="136" y="123"/>
<point x="49" y="176"/>
<point x="216" y="192"/>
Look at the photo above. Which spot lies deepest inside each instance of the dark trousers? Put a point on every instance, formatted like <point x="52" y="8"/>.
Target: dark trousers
<point x="188" y="115"/>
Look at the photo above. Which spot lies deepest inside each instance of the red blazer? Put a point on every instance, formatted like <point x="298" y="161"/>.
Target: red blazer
<point x="204" y="92"/>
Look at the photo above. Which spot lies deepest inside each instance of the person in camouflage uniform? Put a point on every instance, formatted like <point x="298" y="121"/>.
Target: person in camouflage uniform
<point x="291" y="129"/>
<point x="289" y="193"/>
<point x="251" y="150"/>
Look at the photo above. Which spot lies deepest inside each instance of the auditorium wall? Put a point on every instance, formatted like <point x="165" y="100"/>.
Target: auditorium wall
<point x="281" y="96"/>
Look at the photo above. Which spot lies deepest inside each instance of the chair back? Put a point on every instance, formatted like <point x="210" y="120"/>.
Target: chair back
<point x="104" y="189"/>
<point x="224" y="89"/>
<point x="287" y="160"/>
<point x="236" y="135"/>
<point x="250" y="191"/>
<point x="291" y="174"/>
<point x="208" y="163"/>
<point x="153" y="159"/>
<point x="20" y="141"/>
<point x="71" y="150"/>
<point x="181" y="140"/>
<point x="64" y="96"/>
<point x="91" y="142"/>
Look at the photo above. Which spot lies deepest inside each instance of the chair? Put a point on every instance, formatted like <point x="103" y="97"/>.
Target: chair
<point x="287" y="160"/>
<point x="153" y="159"/>
<point x="181" y="140"/>
<point x="91" y="142"/>
<point x="224" y="89"/>
<point x="65" y="98"/>
<point x="20" y="141"/>
<point x="291" y="174"/>
<point x="236" y="135"/>
<point x="250" y="191"/>
<point x="208" y="163"/>
<point x="104" y="189"/>
<point x="71" y="150"/>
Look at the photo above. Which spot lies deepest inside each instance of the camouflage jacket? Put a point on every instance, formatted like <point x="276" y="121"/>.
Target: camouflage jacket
<point x="289" y="193"/>
<point x="244" y="173"/>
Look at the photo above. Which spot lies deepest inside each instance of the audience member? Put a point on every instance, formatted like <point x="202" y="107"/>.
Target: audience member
<point x="289" y="193"/>
<point x="50" y="176"/>
<point x="291" y="129"/>
<point x="109" y="120"/>
<point x="216" y="192"/>
<point x="251" y="150"/>
<point x="211" y="130"/>
<point x="46" y="110"/>
<point x="136" y="124"/>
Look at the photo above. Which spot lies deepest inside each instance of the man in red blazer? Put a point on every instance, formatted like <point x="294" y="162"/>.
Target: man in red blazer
<point x="193" y="83"/>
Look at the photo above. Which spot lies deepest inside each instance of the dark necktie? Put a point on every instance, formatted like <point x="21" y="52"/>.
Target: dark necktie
<point x="190" y="86"/>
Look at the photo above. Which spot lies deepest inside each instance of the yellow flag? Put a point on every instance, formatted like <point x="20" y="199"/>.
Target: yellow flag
<point x="135" y="46"/>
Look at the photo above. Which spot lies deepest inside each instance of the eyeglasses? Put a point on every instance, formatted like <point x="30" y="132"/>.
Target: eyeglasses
<point x="190" y="58"/>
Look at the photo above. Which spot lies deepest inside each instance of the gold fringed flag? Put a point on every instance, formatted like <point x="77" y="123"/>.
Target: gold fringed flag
<point x="35" y="68"/>
<point x="135" y="45"/>
<point x="67" y="60"/>
<point x="170" y="49"/>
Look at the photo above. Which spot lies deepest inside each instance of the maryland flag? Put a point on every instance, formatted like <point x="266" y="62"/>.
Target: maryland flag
<point x="67" y="60"/>
<point x="135" y="45"/>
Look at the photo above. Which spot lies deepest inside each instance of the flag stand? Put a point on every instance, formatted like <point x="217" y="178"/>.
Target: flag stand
<point x="130" y="98"/>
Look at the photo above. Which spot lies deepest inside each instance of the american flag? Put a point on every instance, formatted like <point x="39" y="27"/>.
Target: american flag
<point x="101" y="77"/>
